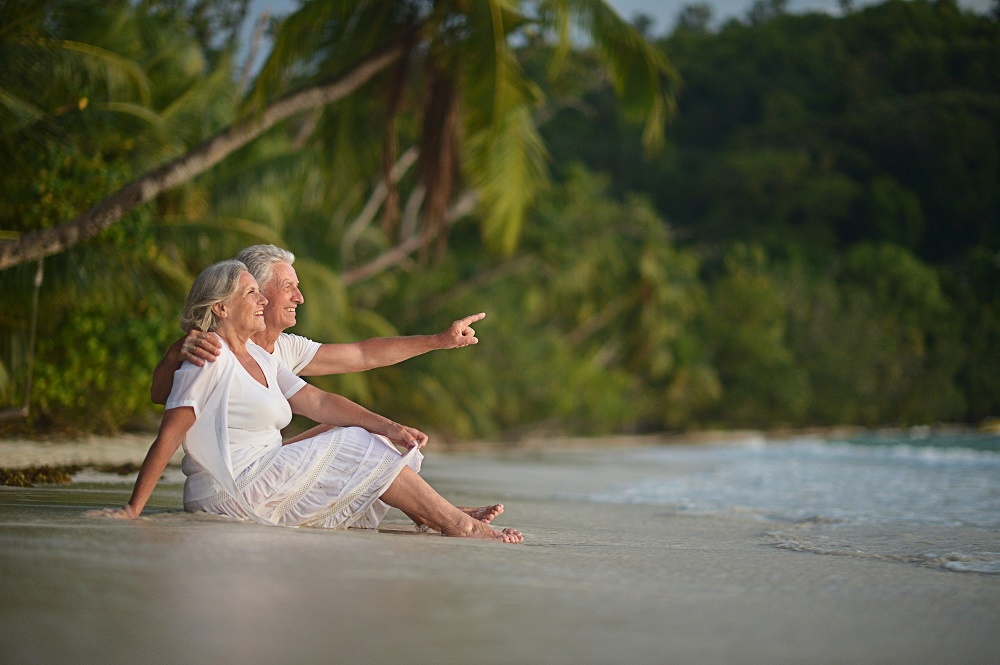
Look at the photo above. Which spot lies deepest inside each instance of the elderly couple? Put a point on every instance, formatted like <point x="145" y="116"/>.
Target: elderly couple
<point x="232" y="383"/>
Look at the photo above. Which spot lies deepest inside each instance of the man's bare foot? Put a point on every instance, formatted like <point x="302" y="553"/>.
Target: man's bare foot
<point x="486" y="514"/>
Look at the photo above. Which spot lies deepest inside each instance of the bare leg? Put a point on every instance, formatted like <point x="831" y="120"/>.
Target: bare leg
<point x="485" y="514"/>
<point x="411" y="494"/>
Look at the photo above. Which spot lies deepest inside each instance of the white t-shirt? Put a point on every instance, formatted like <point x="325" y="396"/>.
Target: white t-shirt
<point x="294" y="351"/>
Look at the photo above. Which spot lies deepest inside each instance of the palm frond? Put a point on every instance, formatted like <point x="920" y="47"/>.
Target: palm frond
<point x="642" y="77"/>
<point x="144" y="113"/>
<point x="189" y="117"/>
<point x="20" y="111"/>
<point x="494" y="82"/>
<point x="504" y="156"/>
<point x="122" y="74"/>
<point x="507" y="169"/>
<point x="322" y="38"/>
<point x="351" y="136"/>
<point x="255" y="232"/>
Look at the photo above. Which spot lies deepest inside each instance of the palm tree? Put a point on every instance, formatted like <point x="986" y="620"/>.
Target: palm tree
<point x="124" y="91"/>
<point x="440" y="73"/>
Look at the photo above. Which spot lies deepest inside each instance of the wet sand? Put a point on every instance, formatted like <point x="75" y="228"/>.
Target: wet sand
<point x="594" y="583"/>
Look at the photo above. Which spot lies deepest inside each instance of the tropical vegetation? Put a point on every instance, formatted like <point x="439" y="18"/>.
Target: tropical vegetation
<point x="784" y="220"/>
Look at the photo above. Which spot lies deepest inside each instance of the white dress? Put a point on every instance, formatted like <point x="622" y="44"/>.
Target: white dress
<point x="235" y="463"/>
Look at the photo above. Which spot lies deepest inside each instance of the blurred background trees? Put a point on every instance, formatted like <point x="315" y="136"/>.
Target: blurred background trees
<point x="811" y="239"/>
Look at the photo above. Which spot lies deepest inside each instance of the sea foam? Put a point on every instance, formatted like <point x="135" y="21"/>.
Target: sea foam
<point x="883" y="498"/>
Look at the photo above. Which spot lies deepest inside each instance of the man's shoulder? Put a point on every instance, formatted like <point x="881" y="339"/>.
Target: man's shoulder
<point x="295" y="351"/>
<point x="292" y="338"/>
<point x="292" y="344"/>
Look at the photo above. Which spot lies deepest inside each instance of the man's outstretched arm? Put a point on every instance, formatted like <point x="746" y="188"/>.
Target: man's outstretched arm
<point x="196" y="346"/>
<point x="382" y="351"/>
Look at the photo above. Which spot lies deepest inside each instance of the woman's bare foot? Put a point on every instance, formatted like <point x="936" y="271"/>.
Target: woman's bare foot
<point x="420" y="502"/>
<point x="486" y="532"/>
<point x="511" y="536"/>
<point x="486" y="514"/>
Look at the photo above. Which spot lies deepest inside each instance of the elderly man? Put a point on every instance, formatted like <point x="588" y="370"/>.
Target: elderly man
<point x="272" y="268"/>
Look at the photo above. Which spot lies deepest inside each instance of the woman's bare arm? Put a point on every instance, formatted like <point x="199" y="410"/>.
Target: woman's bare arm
<point x="175" y="424"/>
<point x="332" y="409"/>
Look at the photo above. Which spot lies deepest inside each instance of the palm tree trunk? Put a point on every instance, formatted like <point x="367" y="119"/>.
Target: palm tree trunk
<point x="38" y="244"/>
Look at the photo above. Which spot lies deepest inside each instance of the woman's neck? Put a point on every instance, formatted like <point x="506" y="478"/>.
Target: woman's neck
<point x="236" y="341"/>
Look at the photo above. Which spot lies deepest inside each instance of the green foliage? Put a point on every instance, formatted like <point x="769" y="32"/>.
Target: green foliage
<point x="879" y="340"/>
<point x="815" y="242"/>
<point x="126" y="90"/>
<point x="458" y="94"/>
<point x="881" y="125"/>
<point x="588" y="326"/>
<point x="857" y="159"/>
<point x="762" y="382"/>
<point x="102" y="326"/>
<point x="56" y="184"/>
<point x="613" y="282"/>
<point x="974" y="287"/>
<point x="93" y="365"/>
<point x="868" y="340"/>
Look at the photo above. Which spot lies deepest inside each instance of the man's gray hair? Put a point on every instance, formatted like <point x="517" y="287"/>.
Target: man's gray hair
<point x="216" y="283"/>
<point x="260" y="259"/>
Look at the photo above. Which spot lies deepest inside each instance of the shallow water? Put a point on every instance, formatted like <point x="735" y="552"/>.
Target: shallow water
<point x="923" y="498"/>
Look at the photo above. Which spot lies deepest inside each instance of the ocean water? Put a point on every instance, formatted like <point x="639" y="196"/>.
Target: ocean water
<point x="919" y="497"/>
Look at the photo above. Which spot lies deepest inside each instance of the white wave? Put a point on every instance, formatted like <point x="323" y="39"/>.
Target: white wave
<point x="805" y="478"/>
<point x="989" y="566"/>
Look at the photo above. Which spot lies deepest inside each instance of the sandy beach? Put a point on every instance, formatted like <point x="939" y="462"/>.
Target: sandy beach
<point x="594" y="583"/>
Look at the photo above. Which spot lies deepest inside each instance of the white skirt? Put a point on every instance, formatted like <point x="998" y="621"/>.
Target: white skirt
<point x="332" y="480"/>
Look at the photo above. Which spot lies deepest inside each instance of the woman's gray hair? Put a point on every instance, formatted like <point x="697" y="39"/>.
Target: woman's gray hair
<point x="260" y="259"/>
<point x="216" y="283"/>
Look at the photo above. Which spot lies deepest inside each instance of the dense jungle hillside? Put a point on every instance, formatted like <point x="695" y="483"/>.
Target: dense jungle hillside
<point x="787" y="220"/>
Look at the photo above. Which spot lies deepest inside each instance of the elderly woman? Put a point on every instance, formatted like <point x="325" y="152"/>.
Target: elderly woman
<point x="229" y="416"/>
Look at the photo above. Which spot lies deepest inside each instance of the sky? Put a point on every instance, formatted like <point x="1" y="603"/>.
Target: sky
<point x="664" y="12"/>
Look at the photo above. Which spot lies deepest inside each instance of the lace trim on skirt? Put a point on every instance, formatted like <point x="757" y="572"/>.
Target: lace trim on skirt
<point x="245" y="480"/>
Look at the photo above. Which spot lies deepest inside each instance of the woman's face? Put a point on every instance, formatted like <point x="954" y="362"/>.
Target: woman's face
<point x="245" y="309"/>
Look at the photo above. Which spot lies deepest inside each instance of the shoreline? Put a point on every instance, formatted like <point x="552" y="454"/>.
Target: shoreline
<point x="125" y="449"/>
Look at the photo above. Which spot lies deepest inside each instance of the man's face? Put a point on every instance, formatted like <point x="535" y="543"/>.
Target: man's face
<point x="283" y="296"/>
